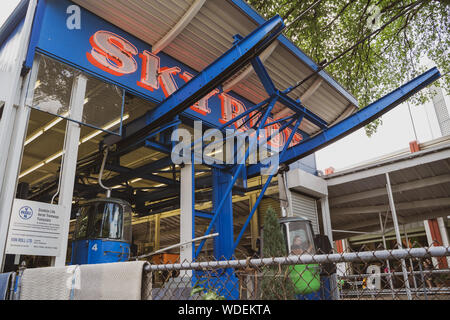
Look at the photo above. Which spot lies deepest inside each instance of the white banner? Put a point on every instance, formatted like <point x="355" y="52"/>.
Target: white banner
<point x="34" y="229"/>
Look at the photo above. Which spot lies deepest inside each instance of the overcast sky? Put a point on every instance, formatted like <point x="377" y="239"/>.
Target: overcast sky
<point x="6" y="7"/>
<point x="394" y="134"/>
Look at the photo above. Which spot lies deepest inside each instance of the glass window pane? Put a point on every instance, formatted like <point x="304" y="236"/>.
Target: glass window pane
<point x="112" y="221"/>
<point x="53" y="87"/>
<point x="103" y="103"/>
<point x="127" y="225"/>
<point x="300" y="238"/>
<point x="96" y="221"/>
<point x="83" y="222"/>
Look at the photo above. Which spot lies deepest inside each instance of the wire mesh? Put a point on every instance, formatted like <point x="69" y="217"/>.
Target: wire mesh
<point x="399" y="274"/>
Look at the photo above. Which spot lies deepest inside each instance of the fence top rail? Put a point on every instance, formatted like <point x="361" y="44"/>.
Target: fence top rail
<point x="363" y="256"/>
<point x="396" y="273"/>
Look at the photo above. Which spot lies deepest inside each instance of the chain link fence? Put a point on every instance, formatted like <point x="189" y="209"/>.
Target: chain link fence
<point x="400" y="274"/>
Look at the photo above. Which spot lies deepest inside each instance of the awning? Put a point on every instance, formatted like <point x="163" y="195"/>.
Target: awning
<point x="420" y="184"/>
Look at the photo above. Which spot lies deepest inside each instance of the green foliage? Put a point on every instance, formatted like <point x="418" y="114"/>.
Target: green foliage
<point x="384" y="61"/>
<point x="273" y="239"/>
<point x="205" y="293"/>
<point x="276" y="283"/>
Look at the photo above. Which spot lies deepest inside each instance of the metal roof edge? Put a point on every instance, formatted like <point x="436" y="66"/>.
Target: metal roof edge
<point x="440" y="144"/>
<point x="253" y="14"/>
<point x="13" y="20"/>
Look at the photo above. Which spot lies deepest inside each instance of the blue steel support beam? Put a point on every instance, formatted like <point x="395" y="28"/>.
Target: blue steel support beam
<point x="298" y="108"/>
<point x="356" y="121"/>
<point x="266" y="185"/>
<point x="263" y="76"/>
<point x="229" y="188"/>
<point x="285" y="124"/>
<point x="124" y="145"/>
<point x="278" y="121"/>
<point x="164" y="148"/>
<point x="131" y="173"/>
<point x="230" y="122"/>
<point x="223" y="244"/>
<point x="203" y="214"/>
<point x="215" y="74"/>
<point x="139" y="174"/>
<point x="271" y="90"/>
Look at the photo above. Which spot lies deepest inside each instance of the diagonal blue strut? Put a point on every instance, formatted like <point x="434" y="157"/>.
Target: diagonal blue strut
<point x="266" y="185"/>
<point x="236" y="176"/>
<point x="355" y="121"/>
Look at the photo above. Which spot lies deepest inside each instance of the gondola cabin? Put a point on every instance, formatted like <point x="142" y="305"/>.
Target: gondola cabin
<point x="103" y="232"/>
<point x="299" y="237"/>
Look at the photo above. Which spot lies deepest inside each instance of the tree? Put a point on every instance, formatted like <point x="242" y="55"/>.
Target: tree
<point x="382" y="62"/>
<point x="276" y="283"/>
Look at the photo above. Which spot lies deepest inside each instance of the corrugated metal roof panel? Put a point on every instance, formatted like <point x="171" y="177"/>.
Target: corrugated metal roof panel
<point x="437" y="197"/>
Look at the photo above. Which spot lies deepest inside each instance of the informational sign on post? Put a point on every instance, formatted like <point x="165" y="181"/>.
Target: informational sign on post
<point x="34" y="229"/>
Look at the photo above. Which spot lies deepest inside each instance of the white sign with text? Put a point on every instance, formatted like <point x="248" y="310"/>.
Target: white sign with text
<point x="34" y="229"/>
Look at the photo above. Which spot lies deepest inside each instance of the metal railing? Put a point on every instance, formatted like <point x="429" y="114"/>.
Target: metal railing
<point x="351" y="275"/>
<point x="400" y="274"/>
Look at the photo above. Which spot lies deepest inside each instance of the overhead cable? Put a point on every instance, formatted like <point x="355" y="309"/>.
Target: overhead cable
<point x="322" y="66"/>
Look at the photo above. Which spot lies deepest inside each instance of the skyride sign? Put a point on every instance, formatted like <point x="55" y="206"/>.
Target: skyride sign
<point x="105" y="51"/>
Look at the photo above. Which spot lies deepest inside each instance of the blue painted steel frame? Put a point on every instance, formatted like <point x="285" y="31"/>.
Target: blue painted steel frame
<point x="304" y="148"/>
<point x="228" y="192"/>
<point x="355" y="121"/>
<point x="37" y="23"/>
<point x="271" y="90"/>
<point x="223" y="247"/>
<point x="266" y="185"/>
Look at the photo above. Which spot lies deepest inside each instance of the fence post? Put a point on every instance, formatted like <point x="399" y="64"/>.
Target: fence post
<point x="387" y="261"/>
<point x="397" y="234"/>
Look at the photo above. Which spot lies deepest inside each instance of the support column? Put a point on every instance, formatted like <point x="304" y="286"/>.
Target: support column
<point x="437" y="236"/>
<point x="430" y="240"/>
<point x="391" y="284"/>
<point x="187" y="203"/>
<point x="254" y="223"/>
<point x="444" y="236"/>
<point x="14" y="155"/>
<point x="410" y="260"/>
<point x="327" y="230"/>
<point x="69" y="162"/>
<point x="13" y="91"/>
<point x="285" y="196"/>
<point x="343" y="268"/>
<point x="397" y="234"/>
<point x="326" y="218"/>
<point x="223" y="244"/>
<point x="157" y="232"/>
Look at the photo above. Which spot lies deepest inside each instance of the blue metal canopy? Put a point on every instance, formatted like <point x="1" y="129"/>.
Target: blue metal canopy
<point x="244" y="52"/>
